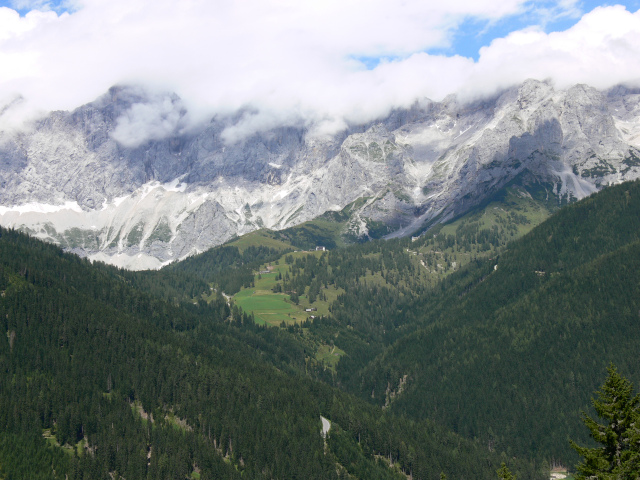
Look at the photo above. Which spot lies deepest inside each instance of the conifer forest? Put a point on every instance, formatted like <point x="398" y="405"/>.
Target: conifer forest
<point x="503" y="344"/>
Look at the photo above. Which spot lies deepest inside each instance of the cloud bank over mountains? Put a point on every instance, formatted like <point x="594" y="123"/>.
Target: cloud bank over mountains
<point x="289" y="62"/>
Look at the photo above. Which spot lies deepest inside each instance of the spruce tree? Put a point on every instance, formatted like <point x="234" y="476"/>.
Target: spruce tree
<point x="504" y="473"/>
<point x="618" y="457"/>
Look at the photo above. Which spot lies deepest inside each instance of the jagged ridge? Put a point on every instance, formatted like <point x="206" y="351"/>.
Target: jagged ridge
<point x="89" y="182"/>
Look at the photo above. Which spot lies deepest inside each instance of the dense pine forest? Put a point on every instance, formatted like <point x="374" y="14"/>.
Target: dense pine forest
<point x="102" y="380"/>
<point x="477" y="344"/>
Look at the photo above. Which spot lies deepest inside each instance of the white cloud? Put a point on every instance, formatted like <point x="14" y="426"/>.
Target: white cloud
<point x="600" y="50"/>
<point x="161" y="117"/>
<point x="547" y="12"/>
<point x="288" y="61"/>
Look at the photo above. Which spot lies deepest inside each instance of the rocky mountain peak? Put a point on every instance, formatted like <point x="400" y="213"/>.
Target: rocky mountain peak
<point x="127" y="180"/>
<point x="532" y="92"/>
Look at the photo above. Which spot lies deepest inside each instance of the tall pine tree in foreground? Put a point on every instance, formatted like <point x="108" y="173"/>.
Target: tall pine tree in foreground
<point x="618" y="457"/>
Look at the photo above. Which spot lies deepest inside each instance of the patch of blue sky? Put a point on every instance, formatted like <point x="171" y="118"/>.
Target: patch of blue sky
<point x="25" y="6"/>
<point x="474" y="34"/>
<point x="372" y="62"/>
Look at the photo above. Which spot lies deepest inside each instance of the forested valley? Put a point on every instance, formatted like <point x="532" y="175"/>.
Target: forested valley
<point x="476" y="344"/>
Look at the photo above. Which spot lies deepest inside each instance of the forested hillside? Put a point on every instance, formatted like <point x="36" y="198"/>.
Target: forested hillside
<point x="511" y="348"/>
<point x="450" y="353"/>
<point x="99" y="379"/>
<point x="501" y="341"/>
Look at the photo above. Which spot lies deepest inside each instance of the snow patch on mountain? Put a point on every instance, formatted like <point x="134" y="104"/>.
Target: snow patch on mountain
<point x="39" y="208"/>
<point x="172" y="193"/>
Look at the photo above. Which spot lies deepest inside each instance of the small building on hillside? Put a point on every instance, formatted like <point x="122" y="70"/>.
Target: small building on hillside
<point x="311" y="309"/>
<point x="320" y="249"/>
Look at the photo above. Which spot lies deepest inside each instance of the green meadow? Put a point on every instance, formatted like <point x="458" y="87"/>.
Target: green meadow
<point x="329" y="355"/>
<point x="259" y="238"/>
<point x="274" y="308"/>
<point x="509" y="215"/>
<point x="268" y="307"/>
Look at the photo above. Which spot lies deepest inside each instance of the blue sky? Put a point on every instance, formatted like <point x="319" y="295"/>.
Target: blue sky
<point x="24" y="6"/>
<point x="474" y="34"/>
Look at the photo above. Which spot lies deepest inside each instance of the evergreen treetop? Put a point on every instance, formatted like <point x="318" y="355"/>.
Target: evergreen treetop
<point x="504" y="473"/>
<point x="618" y="457"/>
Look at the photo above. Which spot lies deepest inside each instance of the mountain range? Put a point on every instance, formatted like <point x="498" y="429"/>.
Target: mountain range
<point x="126" y="180"/>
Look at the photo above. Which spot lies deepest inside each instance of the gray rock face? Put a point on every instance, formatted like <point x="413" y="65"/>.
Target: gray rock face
<point x="125" y="181"/>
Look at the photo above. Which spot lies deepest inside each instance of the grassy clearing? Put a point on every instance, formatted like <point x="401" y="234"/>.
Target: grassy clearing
<point x="375" y="279"/>
<point x="332" y="230"/>
<point x="503" y="211"/>
<point x="322" y="306"/>
<point x="177" y="423"/>
<point x="275" y="308"/>
<point x="80" y="447"/>
<point x="266" y="281"/>
<point x="268" y="307"/>
<point x="50" y="438"/>
<point x="68" y="449"/>
<point x="329" y="355"/>
<point x="263" y="237"/>
<point x="511" y="215"/>
<point x="326" y="232"/>
<point x="144" y="416"/>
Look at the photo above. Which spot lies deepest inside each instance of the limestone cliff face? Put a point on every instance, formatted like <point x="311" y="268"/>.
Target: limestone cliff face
<point x="100" y="182"/>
